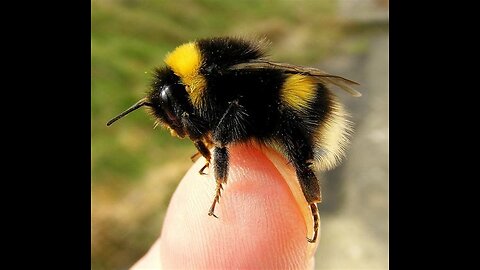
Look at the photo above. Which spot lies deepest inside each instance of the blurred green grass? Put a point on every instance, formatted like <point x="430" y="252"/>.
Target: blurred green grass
<point x="135" y="168"/>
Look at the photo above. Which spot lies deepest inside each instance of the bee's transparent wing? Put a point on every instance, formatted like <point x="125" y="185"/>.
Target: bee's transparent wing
<point x="321" y="76"/>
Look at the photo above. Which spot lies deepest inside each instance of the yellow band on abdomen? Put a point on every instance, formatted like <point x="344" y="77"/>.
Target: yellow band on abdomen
<point x="298" y="91"/>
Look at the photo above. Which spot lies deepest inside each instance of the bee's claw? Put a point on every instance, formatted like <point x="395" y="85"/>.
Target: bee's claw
<point x="216" y="199"/>
<point x="212" y="214"/>
<point x="203" y="168"/>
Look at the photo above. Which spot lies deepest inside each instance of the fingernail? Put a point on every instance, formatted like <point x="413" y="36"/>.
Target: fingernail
<point x="288" y="173"/>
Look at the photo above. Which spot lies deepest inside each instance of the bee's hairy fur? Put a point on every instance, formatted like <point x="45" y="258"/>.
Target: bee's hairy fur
<point x="200" y="95"/>
<point x="260" y="110"/>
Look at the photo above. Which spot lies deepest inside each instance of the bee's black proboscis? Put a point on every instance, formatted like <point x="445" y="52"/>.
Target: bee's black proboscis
<point x="220" y="91"/>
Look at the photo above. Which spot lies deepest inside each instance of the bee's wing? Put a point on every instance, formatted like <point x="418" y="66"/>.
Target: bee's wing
<point x="321" y="76"/>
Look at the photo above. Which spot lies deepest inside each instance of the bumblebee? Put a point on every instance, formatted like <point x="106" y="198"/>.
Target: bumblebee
<point x="220" y="91"/>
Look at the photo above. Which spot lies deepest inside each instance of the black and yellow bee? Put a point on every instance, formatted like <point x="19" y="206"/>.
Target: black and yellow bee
<point x="220" y="91"/>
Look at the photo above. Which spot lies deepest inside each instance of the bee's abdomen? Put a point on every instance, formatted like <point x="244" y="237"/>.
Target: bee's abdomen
<point x="328" y="127"/>
<point x="313" y="109"/>
<point x="310" y="102"/>
<point x="259" y="104"/>
<point x="298" y="92"/>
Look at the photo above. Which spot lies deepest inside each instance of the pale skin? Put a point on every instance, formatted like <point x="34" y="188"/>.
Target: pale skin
<point x="260" y="225"/>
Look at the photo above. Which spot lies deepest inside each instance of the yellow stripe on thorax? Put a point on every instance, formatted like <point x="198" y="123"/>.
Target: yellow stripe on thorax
<point x="298" y="91"/>
<point x="185" y="61"/>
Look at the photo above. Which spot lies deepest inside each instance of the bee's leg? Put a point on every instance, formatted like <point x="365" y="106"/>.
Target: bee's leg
<point x="203" y="150"/>
<point x="299" y="151"/>
<point x="311" y="191"/>
<point x="316" y="222"/>
<point x="228" y="130"/>
<point x="196" y="128"/>
<point x="221" y="169"/>
<point x="195" y="156"/>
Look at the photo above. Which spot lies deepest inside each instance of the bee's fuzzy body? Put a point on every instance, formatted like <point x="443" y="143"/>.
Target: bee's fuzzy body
<point x="221" y="91"/>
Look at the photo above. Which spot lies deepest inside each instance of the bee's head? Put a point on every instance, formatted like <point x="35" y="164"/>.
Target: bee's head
<point x="167" y="101"/>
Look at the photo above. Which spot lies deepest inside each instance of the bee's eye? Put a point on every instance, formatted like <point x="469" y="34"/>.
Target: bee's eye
<point x="165" y="95"/>
<point x="169" y="95"/>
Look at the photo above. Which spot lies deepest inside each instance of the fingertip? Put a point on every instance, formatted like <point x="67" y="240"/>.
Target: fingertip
<point x="260" y="223"/>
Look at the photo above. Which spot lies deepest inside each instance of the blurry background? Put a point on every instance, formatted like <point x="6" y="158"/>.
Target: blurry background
<point x="135" y="169"/>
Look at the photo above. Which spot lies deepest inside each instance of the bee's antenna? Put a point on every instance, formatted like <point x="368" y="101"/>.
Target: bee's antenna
<point x="140" y="103"/>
